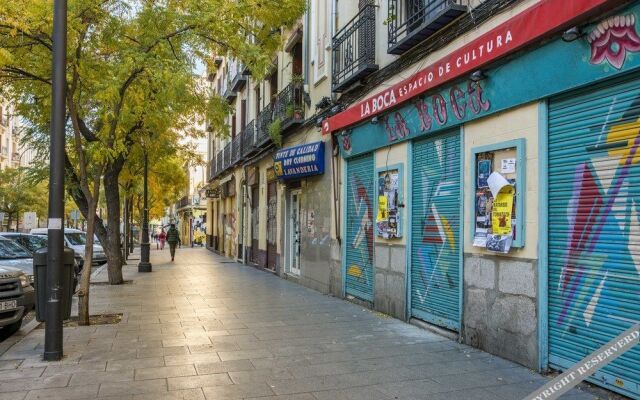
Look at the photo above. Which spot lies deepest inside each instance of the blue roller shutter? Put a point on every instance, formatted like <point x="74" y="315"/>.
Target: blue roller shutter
<point x="435" y="247"/>
<point x="594" y="227"/>
<point x="359" y="219"/>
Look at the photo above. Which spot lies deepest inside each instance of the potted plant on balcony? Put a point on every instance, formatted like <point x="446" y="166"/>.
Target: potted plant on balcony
<point x="297" y="112"/>
<point x="275" y="132"/>
<point x="297" y="80"/>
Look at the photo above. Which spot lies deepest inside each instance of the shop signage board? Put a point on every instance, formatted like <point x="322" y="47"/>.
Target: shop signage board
<point x="530" y="25"/>
<point x="213" y="193"/>
<point x="299" y="161"/>
<point x="502" y="89"/>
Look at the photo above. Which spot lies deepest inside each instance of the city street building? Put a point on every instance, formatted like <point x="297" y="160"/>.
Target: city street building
<point x="191" y="209"/>
<point x="13" y="153"/>
<point x="467" y="165"/>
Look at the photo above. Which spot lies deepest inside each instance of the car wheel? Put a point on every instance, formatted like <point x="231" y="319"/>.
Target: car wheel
<point x="11" y="329"/>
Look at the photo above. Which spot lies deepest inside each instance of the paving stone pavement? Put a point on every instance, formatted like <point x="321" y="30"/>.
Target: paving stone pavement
<point x="205" y="328"/>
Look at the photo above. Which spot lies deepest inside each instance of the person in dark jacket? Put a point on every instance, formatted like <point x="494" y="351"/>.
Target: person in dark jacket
<point x="173" y="238"/>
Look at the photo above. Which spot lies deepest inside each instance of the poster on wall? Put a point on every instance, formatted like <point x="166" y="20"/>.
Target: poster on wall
<point x="484" y="170"/>
<point x="388" y="217"/>
<point x="495" y="200"/>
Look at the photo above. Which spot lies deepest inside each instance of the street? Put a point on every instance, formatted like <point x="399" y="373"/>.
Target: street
<point x="205" y="327"/>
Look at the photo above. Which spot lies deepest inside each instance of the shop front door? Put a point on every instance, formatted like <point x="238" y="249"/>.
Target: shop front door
<point x="255" y="219"/>
<point x="272" y="225"/>
<point x="294" y="232"/>
<point x="435" y="235"/>
<point x="359" y="220"/>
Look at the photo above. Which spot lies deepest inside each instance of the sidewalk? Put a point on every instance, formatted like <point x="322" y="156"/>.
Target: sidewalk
<point x="207" y="328"/>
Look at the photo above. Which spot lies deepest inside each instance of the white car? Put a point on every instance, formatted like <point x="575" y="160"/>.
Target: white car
<point x="13" y="255"/>
<point x="77" y="239"/>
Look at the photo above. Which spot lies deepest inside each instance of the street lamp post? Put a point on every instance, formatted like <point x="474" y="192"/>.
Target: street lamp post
<point x="54" y="291"/>
<point x="145" y="265"/>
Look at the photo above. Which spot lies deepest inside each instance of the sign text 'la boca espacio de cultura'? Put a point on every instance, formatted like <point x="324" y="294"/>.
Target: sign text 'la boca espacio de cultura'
<point x="533" y="24"/>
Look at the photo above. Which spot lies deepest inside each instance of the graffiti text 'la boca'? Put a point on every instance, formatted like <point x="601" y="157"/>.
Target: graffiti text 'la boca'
<point x="435" y="110"/>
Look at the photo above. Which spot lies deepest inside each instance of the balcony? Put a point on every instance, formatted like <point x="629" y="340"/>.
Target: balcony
<point x="183" y="202"/>
<point x="249" y="139"/>
<point x="211" y="170"/>
<point x="289" y="106"/>
<point x="236" y="149"/>
<point x="219" y="163"/>
<point x="228" y="94"/>
<point x="237" y="76"/>
<point x="226" y="156"/>
<point x="354" y="50"/>
<point x="264" y="119"/>
<point x="412" y="21"/>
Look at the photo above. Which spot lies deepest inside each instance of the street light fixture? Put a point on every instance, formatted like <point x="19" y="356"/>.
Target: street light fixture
<point x="145" y="265"/>
<point x="53" y="350"/>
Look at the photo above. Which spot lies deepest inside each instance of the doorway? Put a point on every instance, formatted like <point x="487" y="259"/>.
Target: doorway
<point x="255" y="218"/>
<point x="272" y="224"/>
<point x="294" y="232"/>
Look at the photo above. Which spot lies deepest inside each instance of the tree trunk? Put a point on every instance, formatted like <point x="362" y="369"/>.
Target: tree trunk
<point x="112" y="246"/>
<point x="85" y="280"/>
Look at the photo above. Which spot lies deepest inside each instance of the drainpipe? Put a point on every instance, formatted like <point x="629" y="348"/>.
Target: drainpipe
<point x="243" y="205"/>
<point x="334" y="16"/>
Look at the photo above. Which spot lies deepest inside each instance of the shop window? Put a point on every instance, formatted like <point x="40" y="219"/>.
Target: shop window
<point x="499" y="190"/>
<point x="389" y="201"/>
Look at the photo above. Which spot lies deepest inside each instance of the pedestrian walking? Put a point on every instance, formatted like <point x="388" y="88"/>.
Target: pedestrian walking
<point x="162" y="237"/>
<point x="173" y="237"/>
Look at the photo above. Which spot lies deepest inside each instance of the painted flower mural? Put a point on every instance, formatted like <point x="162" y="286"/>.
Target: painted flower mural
<point x="612" y="38"/>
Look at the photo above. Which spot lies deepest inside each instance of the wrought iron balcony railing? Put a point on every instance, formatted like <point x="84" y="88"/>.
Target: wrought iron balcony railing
<point x="289" y="105"/>
<point x="237" y="77"/>
<point x="219" y="163"/>
<point x="236" y="149"/>
<point x="249" y="139"/>
<point x="264" y="119"/>
<point x="412" y="21"/>
<point x="211" y="170"/>
<point x="354" y="50"/>
<point x="227" y="155"/>
<point x="185" y="201"/>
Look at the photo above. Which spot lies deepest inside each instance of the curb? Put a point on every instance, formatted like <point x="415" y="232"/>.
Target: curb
<point x="17" y="337"/>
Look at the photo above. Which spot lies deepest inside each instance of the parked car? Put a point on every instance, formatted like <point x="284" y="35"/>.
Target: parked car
<point x="17" y="298"/>
<point x="36" y="242"/>
<point x="76" y="240"/>
<point x="15" y="256"/>
<point x="26" y="240"/>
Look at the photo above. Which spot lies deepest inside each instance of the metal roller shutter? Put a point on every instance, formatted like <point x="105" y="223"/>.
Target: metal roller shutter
<point x="435" y="248"/>
<point x="359" y="219"/>
<point x="594" y="227"/>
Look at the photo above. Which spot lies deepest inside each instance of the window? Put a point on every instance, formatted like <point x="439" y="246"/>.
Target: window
<point x="319" y="38"/>
<point x="76" y="239"/>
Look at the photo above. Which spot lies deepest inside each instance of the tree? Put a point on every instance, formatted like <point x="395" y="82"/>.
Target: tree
<point x="129" y="76"/>
<point x="18" y="195"/>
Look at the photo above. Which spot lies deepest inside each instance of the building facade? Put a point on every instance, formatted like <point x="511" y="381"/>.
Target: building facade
<point x="478" y="175"/>
<point x="190" y="211"/>
<point x="13" y="153"/>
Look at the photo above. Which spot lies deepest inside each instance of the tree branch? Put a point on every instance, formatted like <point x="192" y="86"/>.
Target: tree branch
<point x="122" y="92"/>
<point x="38" y="38"/>
<point x="13" y="71"/>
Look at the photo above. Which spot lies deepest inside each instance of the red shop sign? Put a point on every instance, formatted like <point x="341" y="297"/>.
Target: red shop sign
<point x="530" y="25"/>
